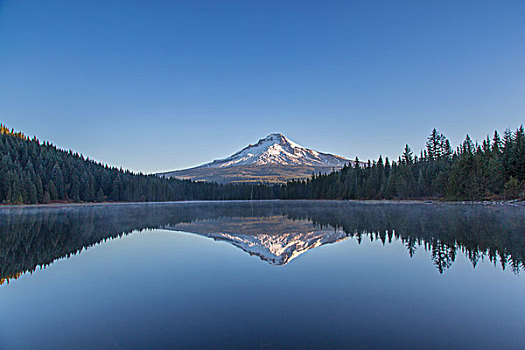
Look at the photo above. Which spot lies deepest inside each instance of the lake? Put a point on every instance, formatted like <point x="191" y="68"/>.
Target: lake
<point x="263" y="275"/>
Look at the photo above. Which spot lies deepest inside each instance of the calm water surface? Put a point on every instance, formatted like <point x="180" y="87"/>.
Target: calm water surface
<point x="263" y="275"/>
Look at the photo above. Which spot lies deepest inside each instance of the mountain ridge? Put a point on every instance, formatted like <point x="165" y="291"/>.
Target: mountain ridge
<point x="273" y="159"/>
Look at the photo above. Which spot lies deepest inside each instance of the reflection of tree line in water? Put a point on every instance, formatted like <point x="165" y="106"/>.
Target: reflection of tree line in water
<point x="33" y="237"/>
<point x="495" y="232"/>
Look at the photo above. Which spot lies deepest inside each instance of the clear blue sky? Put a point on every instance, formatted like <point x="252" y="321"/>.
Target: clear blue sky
<point x="151" y="85"/>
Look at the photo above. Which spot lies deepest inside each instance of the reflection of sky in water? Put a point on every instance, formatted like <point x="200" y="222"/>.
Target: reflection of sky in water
<point x="165" y="288"/>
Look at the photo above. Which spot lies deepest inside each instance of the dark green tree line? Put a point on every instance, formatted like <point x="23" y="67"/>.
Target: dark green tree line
<point x="491" y="170"/>
<point x="33" y="172"/>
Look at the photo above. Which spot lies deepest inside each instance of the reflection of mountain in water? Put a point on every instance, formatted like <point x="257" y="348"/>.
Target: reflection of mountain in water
<point x="275" y="239"/>
<point x="33" y="237"/>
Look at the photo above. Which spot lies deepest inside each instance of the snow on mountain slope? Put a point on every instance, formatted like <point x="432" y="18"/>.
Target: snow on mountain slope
<point x="278" y="149"/>
<point x="273" y="159"/>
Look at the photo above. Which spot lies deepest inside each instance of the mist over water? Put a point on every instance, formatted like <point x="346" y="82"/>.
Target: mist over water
<point x="267" y="274"/>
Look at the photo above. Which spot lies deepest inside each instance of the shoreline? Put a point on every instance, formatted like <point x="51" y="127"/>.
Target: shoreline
<point x="514" y="202"/>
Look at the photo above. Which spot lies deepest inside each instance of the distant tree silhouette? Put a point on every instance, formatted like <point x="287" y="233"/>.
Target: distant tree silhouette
<point x="34" y="172"/>
<point x="495" y="169"/>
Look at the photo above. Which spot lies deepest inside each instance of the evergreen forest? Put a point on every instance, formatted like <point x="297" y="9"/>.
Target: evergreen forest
<point x="34" y="172"/>
<point x="494" y="169"/>
<point x="38" y="172"/>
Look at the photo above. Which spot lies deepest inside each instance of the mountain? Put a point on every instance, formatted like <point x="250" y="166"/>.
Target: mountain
<point x="273" y="159"/>
<point x="278" y="149"/>
<point x="275" y="239"/>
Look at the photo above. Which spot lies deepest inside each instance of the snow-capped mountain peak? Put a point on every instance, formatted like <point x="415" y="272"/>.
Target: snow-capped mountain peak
<point x="273" y="159"/>
<point x="278" y="149"/>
